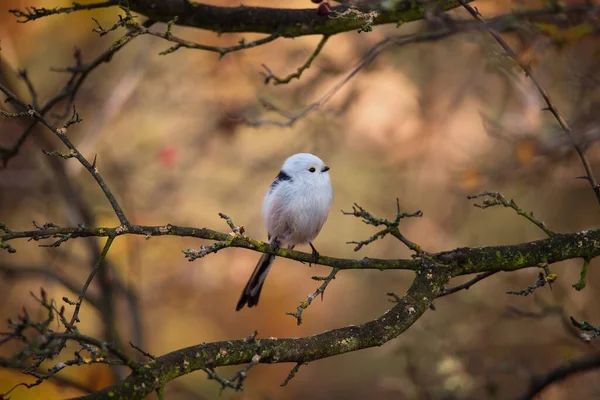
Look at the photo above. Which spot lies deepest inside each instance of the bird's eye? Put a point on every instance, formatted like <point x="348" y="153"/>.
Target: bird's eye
<point x="312" y="169"/>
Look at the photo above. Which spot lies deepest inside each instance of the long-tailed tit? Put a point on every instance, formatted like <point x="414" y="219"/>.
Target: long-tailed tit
<point x="294" y="209"/>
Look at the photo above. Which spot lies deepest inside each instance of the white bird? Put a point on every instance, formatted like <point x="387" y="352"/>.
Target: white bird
<point x="294" y="210"/>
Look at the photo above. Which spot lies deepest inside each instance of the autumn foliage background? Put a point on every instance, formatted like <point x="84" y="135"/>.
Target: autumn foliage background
<point x="427" y="123"/>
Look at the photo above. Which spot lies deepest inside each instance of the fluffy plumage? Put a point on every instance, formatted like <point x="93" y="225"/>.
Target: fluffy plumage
<point x="294" y="210"/>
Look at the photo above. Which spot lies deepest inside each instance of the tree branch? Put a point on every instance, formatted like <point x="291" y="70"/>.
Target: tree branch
<point x="467" y="285"/>
<point x="298" y="350"/>
<point x="240" y="241"/>
<point x="286" y="22"/>
<point x="539" y="383"/>
<point x="33" y="13"/>
<point x="269" y="76"/>
<point x="550" y="105"/>
<point x="461" y="261"/>
<point x="61" y="133"/>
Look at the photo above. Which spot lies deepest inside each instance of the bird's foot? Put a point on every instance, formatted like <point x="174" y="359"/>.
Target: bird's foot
<point x="315" y="255"/>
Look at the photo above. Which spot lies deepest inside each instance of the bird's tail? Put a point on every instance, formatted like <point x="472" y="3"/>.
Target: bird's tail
<point x="252" y="290"/>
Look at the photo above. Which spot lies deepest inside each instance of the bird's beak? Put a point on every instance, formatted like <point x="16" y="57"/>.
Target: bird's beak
<point x="325" y="169"/>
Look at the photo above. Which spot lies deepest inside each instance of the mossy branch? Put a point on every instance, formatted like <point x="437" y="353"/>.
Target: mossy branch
<point x="390" y="325"/>
<point x="460" y="261"/>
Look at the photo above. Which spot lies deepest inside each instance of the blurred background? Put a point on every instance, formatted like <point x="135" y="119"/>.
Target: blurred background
<point x="429" y="124"/>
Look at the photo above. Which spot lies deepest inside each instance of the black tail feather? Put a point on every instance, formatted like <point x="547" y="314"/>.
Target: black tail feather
<point x="251" y="292"/>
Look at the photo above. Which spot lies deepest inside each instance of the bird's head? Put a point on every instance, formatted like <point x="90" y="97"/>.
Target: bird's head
<point x="307" y="167"/>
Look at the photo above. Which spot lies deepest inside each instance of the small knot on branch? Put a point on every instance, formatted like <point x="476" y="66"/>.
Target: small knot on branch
<point x="236" y="230"/>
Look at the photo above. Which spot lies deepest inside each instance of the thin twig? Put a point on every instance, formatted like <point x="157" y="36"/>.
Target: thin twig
<point x="498" y="199"/>
<point x="391" y="227"/>
<point x="79" y="73"/>
<point x="33" y="13"/>
<point x="97" y="264"/>
<point x="467" y="285"/>
<point x="539" y="383"/>
<point x="320" y="291"/>
<point x="550" y="105"/>
<point x="541" y="281"/>
<point x="270" y="77"/>
<point x="291" y="375"/>
<point x="592" y="331"/>
<point x="61" y="134"/>
<point x="292" y="118"/>
<point x="584" y="270"/>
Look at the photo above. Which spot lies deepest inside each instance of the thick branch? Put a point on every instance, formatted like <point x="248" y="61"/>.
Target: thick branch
<point x="460" y="261"/>
<point x="298" y="350"/>
<point x="537" y="253"/>
<point x="286" y="22"/>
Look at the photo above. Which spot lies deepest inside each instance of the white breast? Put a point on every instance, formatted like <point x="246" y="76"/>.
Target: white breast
<point x="295" y="211"/>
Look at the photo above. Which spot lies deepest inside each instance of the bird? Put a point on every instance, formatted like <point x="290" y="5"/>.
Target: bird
<point x="294" y="210"/>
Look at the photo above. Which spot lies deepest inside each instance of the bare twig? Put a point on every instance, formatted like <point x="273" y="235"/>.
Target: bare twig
<point x="32" y="92"/>
<point x="61" y="133"/>
<point x="539" y="383"/>
<point x="541" y="281"/>
<point x="79" y="72"/>
<point x="391" y="227"/>
<point x="498" y="199"/>
<point x="99" y="261"/>
<point x="394" y="297"/>
<point x="182" y="43"/>
<point x="320" y="291"/>
<point x="291" y="118"/>
<point x="379" y="235"/>
<point x="584" y="269"/>
<point x="467" y="285"/>
<point x="33" y="13"/>
<point x="591" y="331"/>
<point x="45" y="343"/>
<point x="291" y="375"/>
<point x="550" y="105"/>
<point x="236" y="381"/>
<point x="144" y="353"/>
<point x="236" y="230"/>
<point x="270" y="77"/>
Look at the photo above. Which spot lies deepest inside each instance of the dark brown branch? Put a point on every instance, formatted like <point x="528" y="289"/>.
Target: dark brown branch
<point x="99" y="262"/>
<point x="270" y="77"/>
<point x="539" y="383"/>
<point x="467" y="285"/>
<point x="288" y="22"/>
<point x="291" y="375"/>
<point x="33" y="13"/>
<point x="541" y="281"/>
